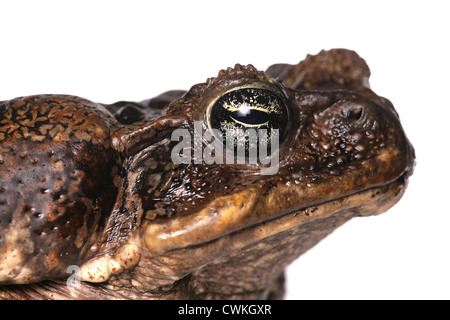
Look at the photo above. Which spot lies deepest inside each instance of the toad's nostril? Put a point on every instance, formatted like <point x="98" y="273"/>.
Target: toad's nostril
<point x="355" y="113"/>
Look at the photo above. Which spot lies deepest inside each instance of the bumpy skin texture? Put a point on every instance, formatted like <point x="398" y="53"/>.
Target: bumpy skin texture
<point x="91" y="185"/>
<point x="57" y="184"/>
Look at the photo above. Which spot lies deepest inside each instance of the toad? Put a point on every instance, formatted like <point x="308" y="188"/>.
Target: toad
<point x="130" y="201"/>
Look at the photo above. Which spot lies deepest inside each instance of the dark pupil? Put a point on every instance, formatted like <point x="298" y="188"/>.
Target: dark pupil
<point x="251" y="117"/>
<point x="250" y="108"/>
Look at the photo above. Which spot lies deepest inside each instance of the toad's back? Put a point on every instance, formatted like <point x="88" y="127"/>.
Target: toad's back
<point x="56" y="164"/>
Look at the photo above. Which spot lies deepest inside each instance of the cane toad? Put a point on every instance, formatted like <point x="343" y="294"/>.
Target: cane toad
<point x="93" y="204"/>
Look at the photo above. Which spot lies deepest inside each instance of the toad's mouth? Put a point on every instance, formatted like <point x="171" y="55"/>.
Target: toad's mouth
<point x="216" y="226"/>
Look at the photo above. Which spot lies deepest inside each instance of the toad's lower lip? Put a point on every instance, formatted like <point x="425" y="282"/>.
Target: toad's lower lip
<point x="293" y="233"/>
<point x="371" y="201"/>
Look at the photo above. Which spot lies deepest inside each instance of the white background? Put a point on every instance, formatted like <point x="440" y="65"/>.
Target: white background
<point x="107" y="51"/>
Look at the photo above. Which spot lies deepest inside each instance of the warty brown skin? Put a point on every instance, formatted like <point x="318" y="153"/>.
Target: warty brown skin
<point x="94" y="186"/>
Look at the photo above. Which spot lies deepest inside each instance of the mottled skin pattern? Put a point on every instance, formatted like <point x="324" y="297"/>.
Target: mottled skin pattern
<point x="57" y="181"/>
<point x="94" y="186"/>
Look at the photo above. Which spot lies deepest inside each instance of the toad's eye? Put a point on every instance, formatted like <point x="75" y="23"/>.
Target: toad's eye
<point x="248" y="107"/>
